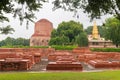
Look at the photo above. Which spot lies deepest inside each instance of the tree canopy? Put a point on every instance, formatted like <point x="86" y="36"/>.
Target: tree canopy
<point x="66" y="33"/>
<point x="14" y="42"/>
<point x="25" y="9"/>
<point x="82" y="40"/>
<point x="95" y="8"/>
<point x="112" y="30"/>
<point x="69" y="29"/>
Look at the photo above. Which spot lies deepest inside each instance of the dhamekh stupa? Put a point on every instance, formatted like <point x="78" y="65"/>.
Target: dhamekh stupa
<point x="42" y="33"/>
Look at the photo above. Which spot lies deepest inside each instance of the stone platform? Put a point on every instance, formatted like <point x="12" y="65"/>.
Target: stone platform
<point x="16" y="64"/>
<point x="66" y="62"/>
<point x="64" y="65"/>
<point x="104" y="64"/>
<point x="16" y="59"/>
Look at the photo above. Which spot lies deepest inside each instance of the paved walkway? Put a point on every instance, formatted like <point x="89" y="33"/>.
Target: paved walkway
<point x="41" y="66"/>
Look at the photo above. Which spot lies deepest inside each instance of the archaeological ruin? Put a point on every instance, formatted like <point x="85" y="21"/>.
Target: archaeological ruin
<point x="47" y="59"/>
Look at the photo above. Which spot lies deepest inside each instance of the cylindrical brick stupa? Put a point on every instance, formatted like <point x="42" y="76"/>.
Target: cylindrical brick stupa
<point x="42" y="33"/>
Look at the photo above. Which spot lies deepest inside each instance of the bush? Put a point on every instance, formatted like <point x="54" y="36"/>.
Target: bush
<point x="58" y="47"/>
<point x="82" y="40"/>
<point x="106" y="49"/>
<point x="39" y="47"/>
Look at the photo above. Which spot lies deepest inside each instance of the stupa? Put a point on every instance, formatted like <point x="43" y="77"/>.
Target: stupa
<point x="95" y="34"/>
<point x="42" y="33"/>
<point x="96" y="41"/>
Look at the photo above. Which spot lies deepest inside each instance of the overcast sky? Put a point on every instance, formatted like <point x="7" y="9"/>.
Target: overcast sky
<point x="55" y="17"/>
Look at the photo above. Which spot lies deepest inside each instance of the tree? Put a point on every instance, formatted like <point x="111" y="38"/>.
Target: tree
<point x="69" y="29"/>
<point x="6" y="30"/>
<point x="25" y="8"/>
<point x="54" y="33"/>
<point x="22" y="9"/>
<point x="112" y="30"/>
<point x="82" y="40"/>
<point x="95" y="8"/>
<point x="88" y="30"/>
<point x="14" y="42"/>
<point x="8" y="41"/>
<point x="55" y="41"/>
<point x="65" y="33"/>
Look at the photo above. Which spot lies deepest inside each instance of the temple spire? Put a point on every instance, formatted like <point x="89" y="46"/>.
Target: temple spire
<point x="95" y="34"/>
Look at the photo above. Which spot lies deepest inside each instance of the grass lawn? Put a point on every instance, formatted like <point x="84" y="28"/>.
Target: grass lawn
<point x="106" y="75"/>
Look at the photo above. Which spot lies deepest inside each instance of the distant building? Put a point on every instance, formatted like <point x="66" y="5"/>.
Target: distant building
<point x="96" y="41"/>
<point x="42" y="33"/>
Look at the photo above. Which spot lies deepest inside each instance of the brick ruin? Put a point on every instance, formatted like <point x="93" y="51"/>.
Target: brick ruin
<point x="99" y="60"/>
<point x="63" y="61"/>
<point x="17" y="59"/>
<point x="65" y="64"/>
<point x="42" y="33"/>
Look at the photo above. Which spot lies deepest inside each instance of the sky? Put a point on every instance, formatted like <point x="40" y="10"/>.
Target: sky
<point x="56" y="17"/>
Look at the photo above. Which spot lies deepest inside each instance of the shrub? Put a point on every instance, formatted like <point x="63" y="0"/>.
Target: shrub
<point x="106" y="49"/>
<point x="58" y="47"/>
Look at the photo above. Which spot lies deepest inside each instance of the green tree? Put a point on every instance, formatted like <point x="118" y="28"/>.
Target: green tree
<point x="14" y="42"/>
<point x="6" y="30"/>
<point x="88" y="30"/>
<point x="69" y="29"/>
<point x="24" y="10"/>
<point x="66" y="33"/>
<point x="27" y="8"/>
<point x="65" y="40"/>
<point x="82" y="40"/>
<point x="22" y="41"/>
<point x="54" y="33"/>
<point x="55" y="41"/>
<point x="95" y="8"/>
<point x="59" y="41"/>
<point x="9" y="41"/>
<point x="112" y="30"/>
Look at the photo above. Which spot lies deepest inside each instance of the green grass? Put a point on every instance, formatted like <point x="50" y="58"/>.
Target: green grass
<point x="106" y="49"/>
<point x="106" y="75"/>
